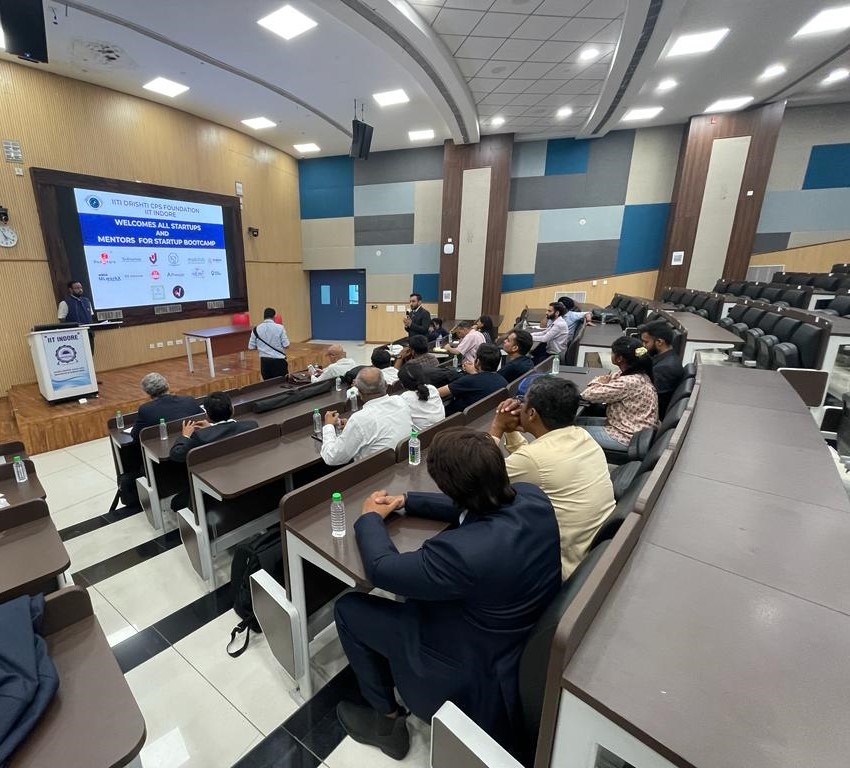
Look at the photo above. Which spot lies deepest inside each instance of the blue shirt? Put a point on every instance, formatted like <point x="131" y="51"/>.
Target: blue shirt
<point x="270" y="339"/>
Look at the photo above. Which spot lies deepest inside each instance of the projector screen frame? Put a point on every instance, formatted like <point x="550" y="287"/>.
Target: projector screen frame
<point x="47" y="181"/>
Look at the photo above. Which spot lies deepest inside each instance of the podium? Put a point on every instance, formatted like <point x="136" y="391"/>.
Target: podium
<point x="63" y="362"/>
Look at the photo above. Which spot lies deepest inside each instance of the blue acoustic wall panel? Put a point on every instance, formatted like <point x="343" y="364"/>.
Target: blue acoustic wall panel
<point x="428" y="286"/>
<point x="326" y="187"/>
<point x="517" y="282"/>
<point x="567" y="156"/>
<point x="829" y="166"/>
<point x="642" y="237"/>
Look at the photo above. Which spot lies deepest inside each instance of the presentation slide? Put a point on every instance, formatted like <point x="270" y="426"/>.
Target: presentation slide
<point x="143" y="251"/>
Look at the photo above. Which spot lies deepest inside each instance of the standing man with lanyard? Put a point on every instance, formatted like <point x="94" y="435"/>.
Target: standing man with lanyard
<point x="417" y="320"/>
<point x="76" y="308"/>
<point x="270" y="340"/>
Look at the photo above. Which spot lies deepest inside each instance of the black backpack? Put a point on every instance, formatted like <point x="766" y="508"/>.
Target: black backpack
<point x="263" y="552"/>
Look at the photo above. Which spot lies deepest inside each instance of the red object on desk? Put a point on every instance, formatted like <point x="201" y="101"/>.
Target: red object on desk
<point x="241" y="318"/>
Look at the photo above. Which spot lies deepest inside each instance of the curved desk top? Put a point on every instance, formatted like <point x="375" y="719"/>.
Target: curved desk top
<point x="724" y="640"/>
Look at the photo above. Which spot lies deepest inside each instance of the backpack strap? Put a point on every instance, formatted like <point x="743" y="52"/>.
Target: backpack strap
<point x="242" y="626"/>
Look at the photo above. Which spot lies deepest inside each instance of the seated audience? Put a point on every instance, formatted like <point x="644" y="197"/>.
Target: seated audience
<point x="336" y="364"/>
<point x="382" y="422"/>
<point x="470" y="340"/>
<point x="485" y="325"/>
<point x="426" y="405"/>
<point x="564" y="461"/>
<point x="436" y="332"/>
<point x="218" y="424"/>
<point x="572" y="316"/>
<point x="162" y="405"/>
<point x="667" y="369"/>
<point x="416" y="349"/>
<point x="554" y="338"/>
<point x="383" y="361"/>
<point x="517" y="345"/>
<point x="632" y="402"/>
<point x="459" y="635"/>
<point x="481" y="380"/>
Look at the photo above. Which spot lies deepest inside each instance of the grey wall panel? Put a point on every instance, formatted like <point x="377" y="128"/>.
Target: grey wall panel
<point x="400" y="165"/>
<point x="770" y="241"/>
<point x="608" y="169"/>
<point x="383" y="230"/>
<point x="564" y="262"/>
<point x="540" y="193"/>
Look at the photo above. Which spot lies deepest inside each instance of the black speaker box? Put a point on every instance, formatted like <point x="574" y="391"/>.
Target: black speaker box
<point x="361" y="140"/>
<point x="23" y="27"/>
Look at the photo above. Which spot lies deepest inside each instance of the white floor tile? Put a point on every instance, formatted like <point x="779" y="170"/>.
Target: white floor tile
<point x="188" y="722"/>
<point x="55" y="461"/>
<point x="351" y="754"/>
<point x="327" y="657"/>
<point x="153" y="589"/>
<point x="94" y="547"/>
<point x="82" y="510"/>
<point x="97" y="453"/>
<point x="114" y="625"/>
<point x="254" y="683"/>
<point x="71" y="487"/>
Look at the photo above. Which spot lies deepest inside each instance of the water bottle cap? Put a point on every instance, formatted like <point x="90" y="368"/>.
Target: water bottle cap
<point x="16" y="458"/>
<point x="315" y="410"/>
<point x="414" y="433"/>
<point x="162" y="421"/>
<point x="336" y="497"/>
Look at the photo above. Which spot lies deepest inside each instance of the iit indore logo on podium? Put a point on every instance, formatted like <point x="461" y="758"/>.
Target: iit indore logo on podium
<point x="66" y="354"/>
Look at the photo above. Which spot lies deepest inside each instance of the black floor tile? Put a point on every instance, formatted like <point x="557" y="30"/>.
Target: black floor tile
<point x="139" y="648"/>
<point x="124" y="560"/>
<point x="183" y="622"/>
<point x="279" y="750"/>
<point x="94" y="523"/>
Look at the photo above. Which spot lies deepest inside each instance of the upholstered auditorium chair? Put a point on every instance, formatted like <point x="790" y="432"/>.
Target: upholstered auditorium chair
<point x="782" y="331"/>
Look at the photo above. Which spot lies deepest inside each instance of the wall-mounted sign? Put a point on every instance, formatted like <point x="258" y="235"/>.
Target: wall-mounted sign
<point x="678" y="258"/>
<point x="447" y="296"/>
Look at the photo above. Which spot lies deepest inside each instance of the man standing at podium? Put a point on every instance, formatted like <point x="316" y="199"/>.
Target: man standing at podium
<point x="76" y="308"/>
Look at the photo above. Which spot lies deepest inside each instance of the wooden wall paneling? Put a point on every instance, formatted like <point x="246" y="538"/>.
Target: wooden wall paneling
<point x="496" y="151"/>
<point x="806" y="258"/>
<point x="453" y="167"/>
<point x="282" y="286"/>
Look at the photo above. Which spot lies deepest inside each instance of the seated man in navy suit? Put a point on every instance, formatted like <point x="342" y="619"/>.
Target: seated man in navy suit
<point x="197" y="432"/>
<point x="474" y="593"/>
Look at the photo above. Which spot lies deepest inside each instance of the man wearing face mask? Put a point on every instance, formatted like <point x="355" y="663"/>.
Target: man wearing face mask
<point x="77" y="308"/>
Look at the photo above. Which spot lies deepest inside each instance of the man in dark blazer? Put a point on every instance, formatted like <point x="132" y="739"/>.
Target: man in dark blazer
<point x="417" y="320"/>
<point x="474" y="592"/>
<point x="162" y="405"/>
<point x="667" y="370"/>
<point x="218" y="425"/>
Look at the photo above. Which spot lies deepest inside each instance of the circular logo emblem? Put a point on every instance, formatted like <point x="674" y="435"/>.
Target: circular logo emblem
<point x="155" y="274"/>
<point x="178" y="291"/>
<point x="66" y="354"/>
<point x="94" y="202"/>
<point x="173" y="259"/>
<point x="104" y="257"/>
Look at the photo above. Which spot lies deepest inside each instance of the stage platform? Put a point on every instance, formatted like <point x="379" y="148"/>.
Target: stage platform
<point x="46" y="427"/>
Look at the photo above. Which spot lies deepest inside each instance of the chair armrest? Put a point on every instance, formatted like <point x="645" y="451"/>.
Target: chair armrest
<point x="809" y="383"/>
<point x="457" y="742"/>
<point x="65" y="607"/>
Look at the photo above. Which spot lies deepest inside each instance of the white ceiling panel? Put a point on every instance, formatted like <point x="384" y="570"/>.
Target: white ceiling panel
<point x="498" y="24"/>
<point x="479" y="47"/>
<point x="451" y="21"/>
<point x="532" y="69"/>
<point x="560" y="7"/>
<point x="517" y="50"/>
<point x="554" y="51"/>
<point x="515" y="85"/>
<point x="470" y="67"/>
<point x="539" y="27"/>
<point x="580" y="29"/>
<point x="604" y="9"/>
<point x="496" y="68"/>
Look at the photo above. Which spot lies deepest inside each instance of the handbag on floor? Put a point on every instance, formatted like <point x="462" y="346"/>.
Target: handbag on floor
<point x="263" y="552"/>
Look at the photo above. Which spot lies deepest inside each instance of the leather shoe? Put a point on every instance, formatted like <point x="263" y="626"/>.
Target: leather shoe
<point x="367" y="726"/>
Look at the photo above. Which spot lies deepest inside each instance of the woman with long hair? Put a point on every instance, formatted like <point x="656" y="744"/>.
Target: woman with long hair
<point x="426" y="405"/>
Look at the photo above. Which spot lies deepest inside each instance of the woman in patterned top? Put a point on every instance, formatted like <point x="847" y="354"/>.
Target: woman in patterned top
<point x="632" y="402"/>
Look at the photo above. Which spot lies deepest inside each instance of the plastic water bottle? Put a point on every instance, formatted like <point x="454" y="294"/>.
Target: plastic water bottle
<point x="556" y="365"/>
<point x="338" y="384"/>
<point x="414" y="449"/>
<point x="352" y="403"/>
<point x="163" y="430"/>
<point x="20" y="469"/>
<point x="119" y="420"/>
<point x="317" y="422"/>
<point x="454" y="362"/>
<point x="337" y="516"/>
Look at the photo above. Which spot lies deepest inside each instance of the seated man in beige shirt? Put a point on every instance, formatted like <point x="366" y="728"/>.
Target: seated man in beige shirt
<point x="564" y="461"/>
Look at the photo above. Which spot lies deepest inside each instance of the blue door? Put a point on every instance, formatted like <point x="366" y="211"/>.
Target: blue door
<point x="338" y="304"/>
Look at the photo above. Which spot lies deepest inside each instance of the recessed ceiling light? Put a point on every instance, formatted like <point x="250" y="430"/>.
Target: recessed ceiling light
<point x="165" y="87"/>
<point x="258" y="123"/>
<point x="564" y="112"/>
<point x="589" y="54"/>
<point x="424" y="135"/>
<point x="388" y="98"/>
<point x="729" y="105"/>
<point x="497" y="121"/>
<point x="642" y="113"/>
<point x="306" y="148"/>
<point x="774" y="70"/>
<point x="836" y="76"/>
<point x="287" y="22"/>
<point x="666" y="85"/>
<point x="830" y="20"/>
<point x="700" y="42"/>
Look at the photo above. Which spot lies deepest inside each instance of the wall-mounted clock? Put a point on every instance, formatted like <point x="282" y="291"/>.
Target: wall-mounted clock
<point x="8" y="236"/>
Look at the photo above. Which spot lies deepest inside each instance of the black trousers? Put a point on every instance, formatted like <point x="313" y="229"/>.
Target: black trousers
<point x="272" y="366"/>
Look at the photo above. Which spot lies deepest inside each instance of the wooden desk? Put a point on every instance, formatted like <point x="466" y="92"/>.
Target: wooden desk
<point x="19" y="493"/>
<point x="703" y="334"/>
<point x="223" y="340"/>
<point x="308" y="538"/>
<point x="31" y="553"/>
<point x="598" y="338"/>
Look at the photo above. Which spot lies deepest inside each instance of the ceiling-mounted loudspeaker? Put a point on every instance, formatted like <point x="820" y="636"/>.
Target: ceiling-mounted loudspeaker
<point x="361" y="139"/>
<point x="23" y="26"/>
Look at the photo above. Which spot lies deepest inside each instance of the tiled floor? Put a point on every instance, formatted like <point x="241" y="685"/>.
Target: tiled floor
<point x="201" y="707"/>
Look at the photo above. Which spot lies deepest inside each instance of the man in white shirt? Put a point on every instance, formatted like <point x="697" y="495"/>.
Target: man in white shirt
<point x="382" y="360"/>
<point x="382" y="422"/>
<point x="338" y="364"/>
<point x="270" y="340"/>
<point x="555" y="337"/>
